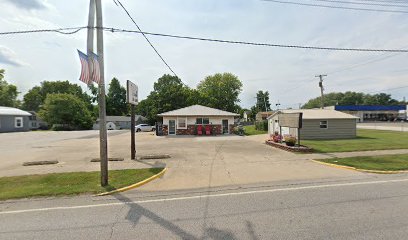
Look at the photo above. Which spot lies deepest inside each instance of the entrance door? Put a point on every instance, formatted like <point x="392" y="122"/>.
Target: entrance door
<point x="225" y="126"/>
<point x="172" y="127"/>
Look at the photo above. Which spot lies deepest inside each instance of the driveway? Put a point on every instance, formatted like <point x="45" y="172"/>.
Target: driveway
<point x="196" y="162"/>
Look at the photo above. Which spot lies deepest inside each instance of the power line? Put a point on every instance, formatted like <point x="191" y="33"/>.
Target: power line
<point x="390" y="89"/>
<point x="363" y="3"/>
<point x="113" y="30"/>
<point x="147" y="39"/>
<point x="259" y="44"/>
<point x="337" y="7"/>
<point x="72" y="30"/>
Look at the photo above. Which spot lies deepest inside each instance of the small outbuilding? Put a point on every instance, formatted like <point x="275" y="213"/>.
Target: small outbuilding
<point x="119" y="122"/>
<point x="317" y="124"/>
<point x="14" y="120"/>
<point x="190" y="120"/>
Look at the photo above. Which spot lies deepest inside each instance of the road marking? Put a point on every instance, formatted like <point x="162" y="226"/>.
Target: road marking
<point x="205" y="196"/>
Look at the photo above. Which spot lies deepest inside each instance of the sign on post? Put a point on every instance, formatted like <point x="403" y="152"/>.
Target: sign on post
<point x="133" y="99"/>
<point x="132" y="93"/>
<point x="292" y="120"/>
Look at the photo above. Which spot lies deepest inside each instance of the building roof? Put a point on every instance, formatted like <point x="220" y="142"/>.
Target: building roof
<point x="197" y="110"/>
<point x="318" y="114"/>
<point x="370" y="108"/>
<point x="13" y="111"/>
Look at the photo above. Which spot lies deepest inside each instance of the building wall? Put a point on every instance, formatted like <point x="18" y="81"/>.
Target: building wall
<point x="7" y="124"/>
<point x="337" y="129"/>
<point x="215" y="122"/>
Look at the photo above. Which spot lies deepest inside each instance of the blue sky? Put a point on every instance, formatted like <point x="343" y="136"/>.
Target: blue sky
<point x="288" y="74"/>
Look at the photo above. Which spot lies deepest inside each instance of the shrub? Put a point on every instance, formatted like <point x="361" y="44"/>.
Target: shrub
<point x="290" y="140"/>
<point x="262" y="125"/>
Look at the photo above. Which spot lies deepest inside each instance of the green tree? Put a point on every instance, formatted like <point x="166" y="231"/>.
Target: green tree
<point x="68" y="110"/>
<point x="36" y="96"/>
<point x="8" y="92"/>
<point x="169" y="93"/>
<point x="221" y="91"/>
<point x="351" y="98"/>
<point x="262" y="101"/>
<point x="116" y="99"/>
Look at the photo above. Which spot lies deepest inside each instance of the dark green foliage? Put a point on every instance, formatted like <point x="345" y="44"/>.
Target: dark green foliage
<point x="36" y="96"/>
<point x="351" y="98"/>
<point x="261" y="125"/>
<point x="221" y="91"/>
<point x="67" y="111"/>
<point x="116" y="99"/>
<point x="8" y="93"/>
<point x="262" y="101"/>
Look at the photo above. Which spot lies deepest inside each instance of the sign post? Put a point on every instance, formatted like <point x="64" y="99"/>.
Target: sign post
<point x="291" y="120"/>
<point x="132" y="98"/>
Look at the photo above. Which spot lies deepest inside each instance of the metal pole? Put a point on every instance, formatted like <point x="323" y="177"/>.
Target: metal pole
<point x="132" y="133"/>
<point x="103" y="144"/>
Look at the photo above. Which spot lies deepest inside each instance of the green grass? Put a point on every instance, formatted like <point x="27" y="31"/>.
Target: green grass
<point x="384" y="163"/>
<point x="366" y="140"/>
<point x="58" y="184"/>
<point x="250" y="130"/>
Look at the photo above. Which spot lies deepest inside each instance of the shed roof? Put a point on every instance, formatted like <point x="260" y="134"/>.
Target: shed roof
<point x="13" y="112"/>
<point x="197" y="110"/>
<point x="318" y="114"/>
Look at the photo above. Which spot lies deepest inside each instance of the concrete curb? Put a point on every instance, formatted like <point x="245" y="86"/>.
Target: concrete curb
<point x="141" y="183"/>
<point x="358" y="169"/>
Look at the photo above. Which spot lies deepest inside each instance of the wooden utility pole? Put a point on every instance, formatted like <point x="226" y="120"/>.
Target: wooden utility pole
<point x="321" y="89"/>
<point x="103" y="142"/>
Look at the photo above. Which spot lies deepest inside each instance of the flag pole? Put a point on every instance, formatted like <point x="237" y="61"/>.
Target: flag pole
<point x="103" y="142"/>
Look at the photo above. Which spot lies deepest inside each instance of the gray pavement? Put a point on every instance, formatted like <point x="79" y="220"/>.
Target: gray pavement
<point x="368" y="207"/>
<point x="390" y="126"/>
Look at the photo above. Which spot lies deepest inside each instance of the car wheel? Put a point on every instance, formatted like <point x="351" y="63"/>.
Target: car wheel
<point x="153" y="129"/>
<point x="138" y="130"/>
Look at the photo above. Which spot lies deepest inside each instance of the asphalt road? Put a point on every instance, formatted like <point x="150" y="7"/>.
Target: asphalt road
<point x="371" y="207"/>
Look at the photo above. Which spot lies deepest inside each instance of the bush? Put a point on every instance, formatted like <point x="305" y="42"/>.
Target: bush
<point x="290" y="140"/>
<point x="262" y="125"/>
<point x="66" y="112"/>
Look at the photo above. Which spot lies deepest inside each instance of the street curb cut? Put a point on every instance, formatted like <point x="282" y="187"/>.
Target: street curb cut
<point x="141" y="183"/>
<point x="358" y="169"/>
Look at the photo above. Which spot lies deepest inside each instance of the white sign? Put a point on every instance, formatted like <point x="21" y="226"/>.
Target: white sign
<point x="132" y="93"/>
<point x="293" y="120"/>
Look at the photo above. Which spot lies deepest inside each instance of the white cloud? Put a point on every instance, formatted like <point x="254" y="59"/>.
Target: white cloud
<point x="29" y="4"/>
<point x="8" y="56"/>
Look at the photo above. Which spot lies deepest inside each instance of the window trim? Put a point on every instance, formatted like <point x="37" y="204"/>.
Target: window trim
<point x="185" y="119"/>
<point x="15" y="122"/>
<point x="326" y="124"/>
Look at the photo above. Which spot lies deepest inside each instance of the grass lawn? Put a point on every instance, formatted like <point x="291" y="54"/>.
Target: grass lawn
<point x="57" y="184"/>
<point x="366" y="140"/>
<point x="385" y="163"/>
<point x="250" y="130"/>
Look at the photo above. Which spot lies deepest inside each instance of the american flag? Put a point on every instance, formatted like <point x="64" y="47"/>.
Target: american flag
<point x="96" y="72"/>
<point x="85" y="76"/>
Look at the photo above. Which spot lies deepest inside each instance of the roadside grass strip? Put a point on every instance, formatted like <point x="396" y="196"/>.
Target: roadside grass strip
<point x="372" y="164"/>
<point x="73" y="183"/>
<point x="250" y="130"/>
<point x="366" y="140"/>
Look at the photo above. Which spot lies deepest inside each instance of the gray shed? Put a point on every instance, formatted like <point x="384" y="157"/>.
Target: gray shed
<point x="318" y="124"/>
<point x="13" y="120"/>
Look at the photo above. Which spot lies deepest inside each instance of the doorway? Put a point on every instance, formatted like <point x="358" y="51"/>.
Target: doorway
<point x="225" y="126"/>
<point x="172" y="127"/>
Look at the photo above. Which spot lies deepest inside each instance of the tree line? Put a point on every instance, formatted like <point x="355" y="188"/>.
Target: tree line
<point x="67" y="105"/>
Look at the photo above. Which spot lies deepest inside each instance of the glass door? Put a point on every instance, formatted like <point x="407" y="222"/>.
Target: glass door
<point x="225" y="126"/>
<point x="172" y="127"/>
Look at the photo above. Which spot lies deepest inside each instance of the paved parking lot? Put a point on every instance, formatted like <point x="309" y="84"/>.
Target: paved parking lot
<point x="196" y="162"/>
<point x="390" y="126"/>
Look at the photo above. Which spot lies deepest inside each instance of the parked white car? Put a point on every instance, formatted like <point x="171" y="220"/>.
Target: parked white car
<point x="144" y="128"/>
